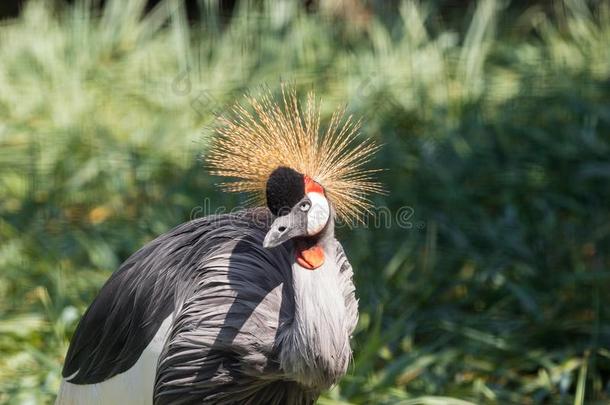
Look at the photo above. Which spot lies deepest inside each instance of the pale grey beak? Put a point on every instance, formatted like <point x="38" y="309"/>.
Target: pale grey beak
<point x="282" y="229"/>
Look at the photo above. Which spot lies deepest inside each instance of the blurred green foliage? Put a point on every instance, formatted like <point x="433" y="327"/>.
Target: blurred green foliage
<point x="497" y="139"/>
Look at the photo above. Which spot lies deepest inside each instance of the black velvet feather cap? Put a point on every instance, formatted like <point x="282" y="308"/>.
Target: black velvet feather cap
<point x="285" y="188"/>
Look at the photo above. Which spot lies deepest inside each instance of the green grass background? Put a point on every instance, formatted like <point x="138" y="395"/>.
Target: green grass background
<point x="496" y="133"/>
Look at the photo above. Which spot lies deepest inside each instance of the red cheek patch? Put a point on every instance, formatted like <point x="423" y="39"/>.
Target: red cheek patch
<point x="311" y="258"/>
<point x="311" y="186"/>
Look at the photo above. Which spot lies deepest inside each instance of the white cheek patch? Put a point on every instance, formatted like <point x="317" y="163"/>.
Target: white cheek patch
<point x="318" y="214"/>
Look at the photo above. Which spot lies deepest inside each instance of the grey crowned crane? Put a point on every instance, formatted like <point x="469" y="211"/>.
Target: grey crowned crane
<point x="253" y="307"/>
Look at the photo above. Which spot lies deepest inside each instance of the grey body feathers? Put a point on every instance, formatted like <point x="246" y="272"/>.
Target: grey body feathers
<point x="249" y="325"/>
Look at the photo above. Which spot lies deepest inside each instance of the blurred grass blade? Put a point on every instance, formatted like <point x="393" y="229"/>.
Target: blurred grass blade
<point x="582" y="381"/>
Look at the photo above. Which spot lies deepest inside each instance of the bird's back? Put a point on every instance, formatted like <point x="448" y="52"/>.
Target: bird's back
<point x="223" y="346"/>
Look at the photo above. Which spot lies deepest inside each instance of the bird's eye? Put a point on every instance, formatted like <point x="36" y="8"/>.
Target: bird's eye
<point x="305" y="206"/>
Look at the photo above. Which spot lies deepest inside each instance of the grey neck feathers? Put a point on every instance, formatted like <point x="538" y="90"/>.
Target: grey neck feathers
<point x="315" y="350"/>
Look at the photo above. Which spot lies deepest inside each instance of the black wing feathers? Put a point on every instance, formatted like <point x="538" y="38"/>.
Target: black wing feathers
<point x="128" y="311"/>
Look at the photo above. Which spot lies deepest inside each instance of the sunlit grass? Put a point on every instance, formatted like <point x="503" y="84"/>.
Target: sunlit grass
<point x="496" y="135"/>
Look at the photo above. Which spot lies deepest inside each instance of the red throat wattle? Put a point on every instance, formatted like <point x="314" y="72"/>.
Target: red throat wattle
<point x="311" y="258"/>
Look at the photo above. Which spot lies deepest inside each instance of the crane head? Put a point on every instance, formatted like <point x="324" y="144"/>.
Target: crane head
<point x="275" y="149"/>
<point x="298" y="202"/>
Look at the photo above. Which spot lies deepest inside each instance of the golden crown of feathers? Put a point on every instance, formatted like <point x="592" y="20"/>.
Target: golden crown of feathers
<point x="253" y="142"/>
